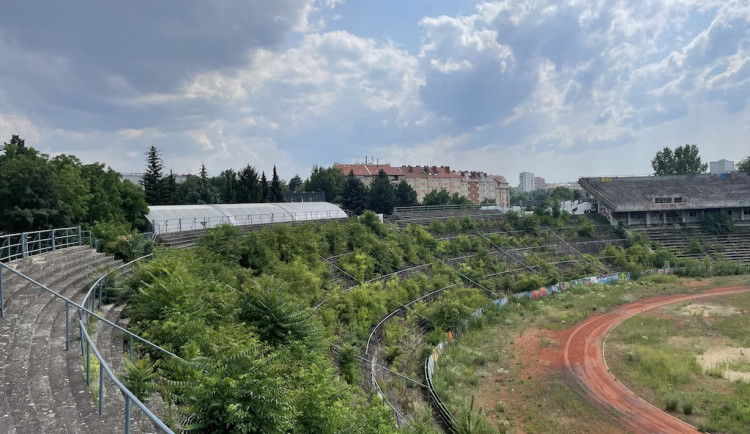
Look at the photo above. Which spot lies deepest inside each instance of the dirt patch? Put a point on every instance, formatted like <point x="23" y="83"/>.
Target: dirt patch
<point x="539" y="351"/>
<point x="725" y="360"/>
<point x="706" y="310"/>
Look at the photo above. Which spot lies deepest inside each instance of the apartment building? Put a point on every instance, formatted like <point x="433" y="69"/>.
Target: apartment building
<point x="424" y="179"/>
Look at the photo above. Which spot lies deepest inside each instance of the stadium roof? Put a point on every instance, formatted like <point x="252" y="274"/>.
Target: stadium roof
<point x="174" y="218"/>
<point x="676" y="192"/>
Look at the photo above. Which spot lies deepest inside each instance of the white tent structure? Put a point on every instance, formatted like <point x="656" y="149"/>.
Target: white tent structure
<point x="176" y="218"/>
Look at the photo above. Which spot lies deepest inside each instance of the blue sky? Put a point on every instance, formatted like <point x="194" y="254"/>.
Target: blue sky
<point x="560" y="89"/>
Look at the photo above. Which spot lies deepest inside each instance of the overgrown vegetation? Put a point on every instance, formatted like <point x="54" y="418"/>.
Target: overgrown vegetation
<point x="267" y="302"/>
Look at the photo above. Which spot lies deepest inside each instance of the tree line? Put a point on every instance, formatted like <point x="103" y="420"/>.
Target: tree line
<point x="39" y="192"/>
<point x="247" y="186"/>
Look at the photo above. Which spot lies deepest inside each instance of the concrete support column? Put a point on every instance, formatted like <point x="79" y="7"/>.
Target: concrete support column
<point x="648" y="218"/>
<point x="628" y="218"/>
<point x="663" y="217"/>
<point x="684" y="214"/>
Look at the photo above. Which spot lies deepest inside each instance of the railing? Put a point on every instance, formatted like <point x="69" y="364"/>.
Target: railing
<point x="435" y="208"/>
<point x="195" y="223"/>
<point x="18" y="246"/>
<point x="87" y="346"/>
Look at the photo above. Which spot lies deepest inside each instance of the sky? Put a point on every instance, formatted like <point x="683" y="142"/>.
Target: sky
<point x="561" y="89"/>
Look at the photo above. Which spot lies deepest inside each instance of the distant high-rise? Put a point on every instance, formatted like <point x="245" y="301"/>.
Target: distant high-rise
<point x="722" y="166"/>
<point x="526" y="181"/>
<point x="539" y="183"/>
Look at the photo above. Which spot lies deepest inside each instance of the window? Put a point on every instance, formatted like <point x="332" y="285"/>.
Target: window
<point x="693" y="213"/>
<point x="678" y="200"/>
<point x="662" y="200"/>
<point x="746" y="211"/>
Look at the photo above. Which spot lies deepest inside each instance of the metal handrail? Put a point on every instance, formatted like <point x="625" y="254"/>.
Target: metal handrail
<point x="127" y="394"/>
<point x="25" y="244"/>
<point x="98" y="284"/>
<point x="89" y="312"/>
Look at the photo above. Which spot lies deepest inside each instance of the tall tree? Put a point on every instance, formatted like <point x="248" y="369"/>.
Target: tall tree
<point x="295" y="183"/>
<point x="263" y="187"/>
<point x="405" y="195"/>
<point x="227" y="182"/>
<point x="170" y="191"/>
<point x="152" y="178"/>
<point x="683" y="160"/>
<point x="248" y="186"/>
<point x="354" y="194"/>
<point x="275" y="193"/>
<point x="329" y="180"/>
<point x="382" y="194"/>
<point x="744" y="165"/>
<point x="206" y="191"/>
<point x="436" y="197"/>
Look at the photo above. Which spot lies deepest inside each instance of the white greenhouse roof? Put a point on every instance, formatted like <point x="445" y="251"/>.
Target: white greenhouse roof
<point x="176" y="218"/>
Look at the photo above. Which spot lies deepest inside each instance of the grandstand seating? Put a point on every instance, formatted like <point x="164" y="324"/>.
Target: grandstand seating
<point x="734" y="246"/>
<point x="44" y="386"/>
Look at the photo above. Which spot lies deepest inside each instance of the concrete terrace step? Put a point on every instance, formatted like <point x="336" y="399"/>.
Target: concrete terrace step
<point x="44" y="385"/>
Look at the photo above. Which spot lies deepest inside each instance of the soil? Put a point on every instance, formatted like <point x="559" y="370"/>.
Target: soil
<point x="715" y="356"/>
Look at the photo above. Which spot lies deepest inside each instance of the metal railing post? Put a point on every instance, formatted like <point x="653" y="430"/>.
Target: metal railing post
<point x="67" y="326"/>
<point x="79" y="235"/>
<point x="101" y="387"/>
<point x="2" y="297"/>
<point x="80" y="332"/>
<point x="88" y="363"/>
<point x="101" y="284"/>
<point x="53" y="240"/>
<point x="130" y="346"/>
<point x="24" y="247"/>
<point x="127" y="414"/>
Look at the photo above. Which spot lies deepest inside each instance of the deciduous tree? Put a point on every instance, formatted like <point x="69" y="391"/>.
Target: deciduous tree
<point x="683" y="160"/>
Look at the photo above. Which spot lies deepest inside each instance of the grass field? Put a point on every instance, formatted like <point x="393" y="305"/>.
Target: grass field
<point x="690" y="359"/>
<point x="500" y="362"/>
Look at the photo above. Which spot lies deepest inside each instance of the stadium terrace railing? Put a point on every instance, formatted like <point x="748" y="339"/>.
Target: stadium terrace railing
<point x="195" y="223"/>
<point x="87" y="345"/>
<point x="25" y="244"/>
<point x="435" y="208"/>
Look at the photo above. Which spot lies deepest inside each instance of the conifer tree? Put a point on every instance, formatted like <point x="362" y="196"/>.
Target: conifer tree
<point x="263" y="187"/>
<point x="382" y="194"/>
<point x="152" y="178"/>
<point x="354" y="194"/>
<point x="276" y="194"/>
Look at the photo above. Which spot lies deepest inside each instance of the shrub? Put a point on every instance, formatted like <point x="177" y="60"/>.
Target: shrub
<point x="671" y="402"/>
<point x="687" y="407"/>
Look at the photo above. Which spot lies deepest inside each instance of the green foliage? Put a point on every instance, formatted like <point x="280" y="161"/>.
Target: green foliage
<point x="354" y="194"/>
<point x="225" y="241"/>
<point x="683" y="160"/>
<point x="328" y="180"/>
<point x="405" y="195"/>
<point x="41" y="193"/>
<point x="586" y="229"/>
<point x="276" y="192"/>
<point x="119" y="240"/>
<point x="382" y="194"/>
<point x="242" y="392"/>
<point x="152" y="177"/>
<point x="717" y="222"/>
<point x="140" y="377"/>
<point x="744" y="165"/>
<point x="275" y="318"/>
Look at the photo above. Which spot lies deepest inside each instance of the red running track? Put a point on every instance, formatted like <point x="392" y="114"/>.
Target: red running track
<point x="584" y="363"/>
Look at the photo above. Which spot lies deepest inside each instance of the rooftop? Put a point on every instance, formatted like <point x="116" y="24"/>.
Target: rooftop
<point x="643" y="193"/>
